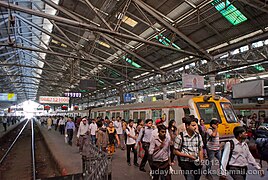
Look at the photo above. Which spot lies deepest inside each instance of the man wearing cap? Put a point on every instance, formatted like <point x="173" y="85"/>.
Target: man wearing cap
<point x="213" y="145"/>
<point x="82" y="133"/>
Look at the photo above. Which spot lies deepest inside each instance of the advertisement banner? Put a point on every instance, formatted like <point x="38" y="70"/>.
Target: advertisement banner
<point x="193" y="81"/>
<point x="53" y="100"/>
<point x="230" y="82"/>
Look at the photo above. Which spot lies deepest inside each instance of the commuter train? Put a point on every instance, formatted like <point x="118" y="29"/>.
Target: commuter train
<point x="251" y="108"/>
<point x="206" y="107"/>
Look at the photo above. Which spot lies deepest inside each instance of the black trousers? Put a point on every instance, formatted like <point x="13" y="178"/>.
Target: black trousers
<point x="238" y="173"/>
<point x="145" y="146"/>
<point x="5" y="126"/>
<point x="160" y="170"/>
<point x="190" y="170"/>
<point x="129" y="147"/>
<point x="70" y="133"/>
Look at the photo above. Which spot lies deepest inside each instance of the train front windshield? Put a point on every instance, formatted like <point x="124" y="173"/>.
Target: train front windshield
<point x="228" y="112"/>
<point x="208" y="111"/>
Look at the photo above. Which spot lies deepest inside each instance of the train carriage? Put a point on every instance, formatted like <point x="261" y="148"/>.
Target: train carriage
<point x="205" y="107"/>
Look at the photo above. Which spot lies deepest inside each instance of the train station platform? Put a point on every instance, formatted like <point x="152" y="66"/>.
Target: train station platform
<point x="70" y="162"/>
<point x="9" y="128"/>
<point x="67" y="157"/>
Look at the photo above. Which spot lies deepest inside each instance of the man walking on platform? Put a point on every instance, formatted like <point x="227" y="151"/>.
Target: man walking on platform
<point x="188" y="147"/>
<point x="131" y="141"/>
<point x="236" y="157"/>
<point x="82" y="133"/>
<point x="93" y="128"/>
<point x="5" y="123"/>
<point x="69" y="130"/>
<point x="145" y="136"/>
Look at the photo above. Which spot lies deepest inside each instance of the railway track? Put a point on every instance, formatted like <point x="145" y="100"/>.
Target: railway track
<point x="24" y="155"/>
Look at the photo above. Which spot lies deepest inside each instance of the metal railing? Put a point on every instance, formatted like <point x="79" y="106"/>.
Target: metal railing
<point x="96" y="163"/>
<point x="33" y="149"/>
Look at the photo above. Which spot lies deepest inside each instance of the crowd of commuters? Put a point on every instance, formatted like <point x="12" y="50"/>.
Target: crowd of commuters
<point x="9" y="120"/>
<point x="160" y="143"/>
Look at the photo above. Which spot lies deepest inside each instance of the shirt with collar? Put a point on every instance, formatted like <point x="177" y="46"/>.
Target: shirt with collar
<point x="191" y="145"/>
<point x="147" y="135"/>
<point x="241" y="156"/>
<point x="83" y="129"/>
<point x="132" y="132"/>
<point x="160" y="154"/>
<point x="93" y="128"/>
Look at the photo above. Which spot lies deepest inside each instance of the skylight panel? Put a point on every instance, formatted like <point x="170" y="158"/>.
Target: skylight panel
<point x="229" y="11"/>
<point x="129" y="21"/>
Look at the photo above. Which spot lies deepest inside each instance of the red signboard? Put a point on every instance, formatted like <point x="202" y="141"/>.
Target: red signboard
<point x="53" y="100"/>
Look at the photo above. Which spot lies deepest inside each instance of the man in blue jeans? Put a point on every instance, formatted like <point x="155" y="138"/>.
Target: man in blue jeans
<point x="93" y="128"/>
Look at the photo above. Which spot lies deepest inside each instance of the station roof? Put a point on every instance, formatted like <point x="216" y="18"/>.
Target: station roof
<point x="47" y="47"/>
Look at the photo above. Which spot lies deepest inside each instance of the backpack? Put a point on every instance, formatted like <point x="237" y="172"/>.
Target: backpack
<point x="262" y="147"/>
<point x="143" y="132"/>
<point x="230" y="154"/>
<point x="182" y="141"/>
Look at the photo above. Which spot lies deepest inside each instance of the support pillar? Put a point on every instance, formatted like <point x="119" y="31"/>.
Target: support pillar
<point x="212" y="84"/>
<point x="164" y="89"/>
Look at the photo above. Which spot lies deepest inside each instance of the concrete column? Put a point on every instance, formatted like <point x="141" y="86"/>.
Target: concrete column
<point x="212" y="82"/>
<point x="164" y="89"/>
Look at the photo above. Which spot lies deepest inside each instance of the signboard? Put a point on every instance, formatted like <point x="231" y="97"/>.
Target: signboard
<point x="128" y="97"/>
<point x="192" y="81"/>
<point x="8" y="97"/>
<point x="53" y="100"/>
<point x="74" y="95"/>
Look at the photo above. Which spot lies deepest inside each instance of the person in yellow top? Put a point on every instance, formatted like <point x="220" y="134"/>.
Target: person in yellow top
<point x="49" y="123"/>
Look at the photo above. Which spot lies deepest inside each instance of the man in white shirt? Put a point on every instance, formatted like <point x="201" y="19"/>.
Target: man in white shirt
<point x="237" y="157"/>
<point x="119" y="129"/>
<point x="131" y="141"/>
<point x="93" y="128"/>
<point x="82" y="133"/>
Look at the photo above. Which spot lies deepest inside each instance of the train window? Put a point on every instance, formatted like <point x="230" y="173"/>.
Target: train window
<point x="208" y="111"/>
<point x="171" y="114"/>
<point x="117" y="114"/>
<point x="107" y="114"/>
<point x="95" y="115"/>
<point x="156" y="114"/>
<point x="228" y="112"/>
<point x="101" y="115"/>
<point x="113" y="115"/>
<point x="261" y="114"/>
<point x="186" y="112"/>
<point x="142" y="115"/>
<point x="126" y="115"/>
<point x="135" y="115"/>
